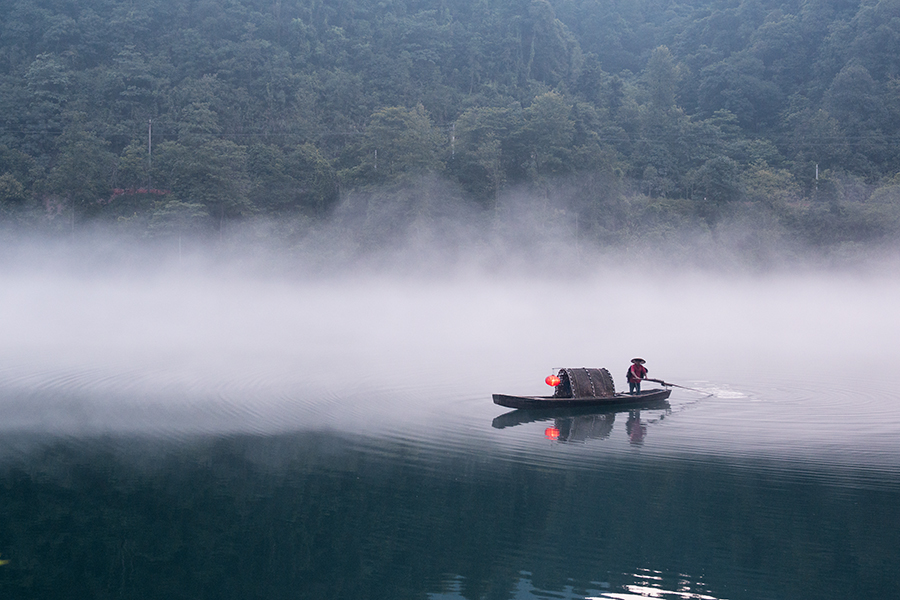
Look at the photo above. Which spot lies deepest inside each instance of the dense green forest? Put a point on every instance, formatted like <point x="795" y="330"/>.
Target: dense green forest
<point x="167" y="116"/>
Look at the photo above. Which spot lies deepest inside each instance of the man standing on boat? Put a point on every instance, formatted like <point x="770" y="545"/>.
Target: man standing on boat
<point x="636" y="372"/>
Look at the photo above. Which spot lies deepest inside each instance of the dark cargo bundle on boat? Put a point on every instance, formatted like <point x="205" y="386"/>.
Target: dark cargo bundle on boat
<point x="584" y="383"/>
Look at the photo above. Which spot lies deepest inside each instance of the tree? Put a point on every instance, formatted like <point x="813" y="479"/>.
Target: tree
<point x="212" y="173"/>
<point x="883" y="207"/>
<point x="300" y="181"/>
<point x="554" y="52"/>
<point x="48" y="80"/>
<point x="661" y="76"/>
<point x="786" y="50"/>
<point x="83" y="171"/>
<point x="717" y="182"/>
<point x="852" y="98"/>
<point x="478" y="151"/>
<point x="173" y="217"/>
<point x="543" y="142"/>
<point x="400" y="143"/>
<point x="876" y="43"/>
<point x="855" y="101"/>
<point x="132" y="169"/>
<point x="763" y="183"/>
<point x="816" y="142"/>
<point x="317" y="190"/>
<point x="738" y="84"/>
<point x="12" y="193"/>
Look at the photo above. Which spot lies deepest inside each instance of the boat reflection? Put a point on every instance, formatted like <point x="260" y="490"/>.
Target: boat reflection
<point x="584" y="423"/>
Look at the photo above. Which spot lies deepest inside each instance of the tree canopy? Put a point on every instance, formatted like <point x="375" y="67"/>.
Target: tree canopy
<point x="241" y="108"/>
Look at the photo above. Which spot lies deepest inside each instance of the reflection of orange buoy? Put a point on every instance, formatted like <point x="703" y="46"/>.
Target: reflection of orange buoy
<point x="552" y="380"/>
<point x="551" y="433"/>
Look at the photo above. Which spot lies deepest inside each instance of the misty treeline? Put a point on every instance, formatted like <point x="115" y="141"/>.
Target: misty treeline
<point x="171" y="116"/>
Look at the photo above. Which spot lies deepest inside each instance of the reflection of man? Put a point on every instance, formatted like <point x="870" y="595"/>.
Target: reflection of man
<point x="636" y="372"/>
<point x="634" y="428"/>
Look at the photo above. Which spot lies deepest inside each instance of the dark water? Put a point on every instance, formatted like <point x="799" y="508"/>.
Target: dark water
<point x="340" y="442"/>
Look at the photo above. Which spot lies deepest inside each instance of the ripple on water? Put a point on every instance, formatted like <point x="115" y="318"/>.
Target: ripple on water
<point x="636" y="585"/>
<point x="781" y="429"/>
<point x="148" y="400"/>
<point x="814" y="423"/>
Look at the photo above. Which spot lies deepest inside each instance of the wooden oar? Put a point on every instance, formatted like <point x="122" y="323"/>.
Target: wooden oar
<point x="661" y="382"/>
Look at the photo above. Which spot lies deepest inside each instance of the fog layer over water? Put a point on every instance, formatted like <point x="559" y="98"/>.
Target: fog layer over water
<point x="258" y="428"/>
<point x="797" y="358"/>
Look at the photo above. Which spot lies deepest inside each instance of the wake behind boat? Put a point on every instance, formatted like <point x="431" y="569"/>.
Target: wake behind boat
<point x="582" y="387"/>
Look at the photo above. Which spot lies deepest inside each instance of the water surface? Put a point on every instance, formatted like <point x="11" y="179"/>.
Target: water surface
<point x="232" y="437"/>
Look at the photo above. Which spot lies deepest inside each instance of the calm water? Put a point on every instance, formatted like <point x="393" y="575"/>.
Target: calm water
<point x="185" y="437"/>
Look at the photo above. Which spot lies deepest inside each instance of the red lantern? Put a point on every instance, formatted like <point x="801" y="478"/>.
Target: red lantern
<point x="551" y="433"/>
<point x="552" y="380"/>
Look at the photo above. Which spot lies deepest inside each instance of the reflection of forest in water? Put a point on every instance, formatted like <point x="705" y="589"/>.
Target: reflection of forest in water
<point x="325" y="516"/>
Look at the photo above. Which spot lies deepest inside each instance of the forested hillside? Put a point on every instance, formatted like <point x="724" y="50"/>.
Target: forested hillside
<point x="172" y="115"/>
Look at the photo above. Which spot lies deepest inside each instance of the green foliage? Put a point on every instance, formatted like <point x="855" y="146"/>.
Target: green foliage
<point x="261" y="108"/>
<point x="554" y="53"/>
<point x="132" y="169"/>
<point x="211" y="173"/>
<point x="301" y="181"/>
<point x="399" y="143"/>
<point x="662" y="76"/>
<point x="83" y="171"/>
<point x="12" y="193"/>
<point x="478" y="151"/>
<point x="176" y="217"/>
<point x="718" y="180"/>
<point x="543" y="140"/>
<point x="763" y="183"/>
<point x="883" y="207"/>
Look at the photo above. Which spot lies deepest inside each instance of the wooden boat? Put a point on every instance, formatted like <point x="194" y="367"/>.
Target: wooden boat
<point x="619" y="399"/>
<point x="582" y="387"/>
<point x="523" y="416"/>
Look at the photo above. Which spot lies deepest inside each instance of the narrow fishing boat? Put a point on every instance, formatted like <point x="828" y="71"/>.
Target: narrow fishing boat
<point x="582" y="387"/>
<point x="523" y="416"/>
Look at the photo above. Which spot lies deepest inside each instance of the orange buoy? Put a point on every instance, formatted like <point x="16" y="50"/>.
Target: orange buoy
<point x="551" y="433"/>
<point x="552" y="380"/>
